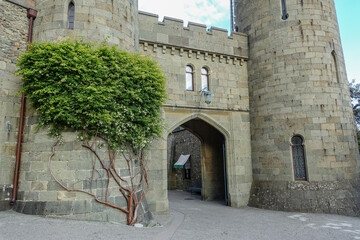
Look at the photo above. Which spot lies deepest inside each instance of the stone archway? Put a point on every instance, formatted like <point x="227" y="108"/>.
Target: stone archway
<point x="213" y="160"/>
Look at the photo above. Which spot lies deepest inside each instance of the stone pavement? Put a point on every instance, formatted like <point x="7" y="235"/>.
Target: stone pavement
<point x="190" y="218"/>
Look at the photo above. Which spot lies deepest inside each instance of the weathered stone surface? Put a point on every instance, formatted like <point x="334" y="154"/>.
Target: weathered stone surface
<point x="13" y="35"/>
<point x="323" y="197"/>
<point x="298" y="86"/>
<point x="94" y="20"/>
<point x="280" y="80"/>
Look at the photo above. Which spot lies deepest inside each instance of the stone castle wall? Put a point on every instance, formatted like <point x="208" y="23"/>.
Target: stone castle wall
<point x="284" y="78"/>
<point x="175" y="46"/>
<point x="298" y="86"/>
<point x="76" y="168"/>
<point x="94" y="21"/>
<point x="13" y="36"/>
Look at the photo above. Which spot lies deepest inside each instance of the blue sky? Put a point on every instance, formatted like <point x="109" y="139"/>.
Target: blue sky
<point x="216" y="13"/>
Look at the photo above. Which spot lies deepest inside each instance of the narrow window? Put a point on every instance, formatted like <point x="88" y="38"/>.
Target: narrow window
<point x="285" y="15"/>
<point x="334" y="66"/>
<point x="204" y="79"/>
<point x="71" y="15"/>
<point x="189" y="78"/>
<point x="298" y="154"/>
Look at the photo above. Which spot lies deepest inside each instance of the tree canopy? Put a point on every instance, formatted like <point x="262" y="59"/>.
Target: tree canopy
<point x="355" y="99"/>
<point x="96" y="90"/>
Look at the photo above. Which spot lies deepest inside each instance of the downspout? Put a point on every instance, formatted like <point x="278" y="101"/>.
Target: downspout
<point x="31" y="14"/>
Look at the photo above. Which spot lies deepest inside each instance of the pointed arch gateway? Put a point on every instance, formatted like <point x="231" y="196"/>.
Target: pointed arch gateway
<point x="212" y="149"/>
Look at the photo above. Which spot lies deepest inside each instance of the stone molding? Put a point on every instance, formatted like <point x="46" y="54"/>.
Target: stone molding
<point x="206" y="108"/>
<point x="220" y="57"/>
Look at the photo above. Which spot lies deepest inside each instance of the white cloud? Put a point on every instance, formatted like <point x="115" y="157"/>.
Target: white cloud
<point x="209" y="12"/>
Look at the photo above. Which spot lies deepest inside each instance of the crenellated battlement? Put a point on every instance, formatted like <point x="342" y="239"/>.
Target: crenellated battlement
<point x="194" y="36"/>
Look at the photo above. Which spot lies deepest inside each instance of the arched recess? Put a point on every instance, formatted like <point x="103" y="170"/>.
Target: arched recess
<point x="205" y="118"/>
<point x="214" y="154"/>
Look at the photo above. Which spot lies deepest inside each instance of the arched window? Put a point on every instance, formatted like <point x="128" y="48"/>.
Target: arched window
<point x="285" y="15"/>
<point x="334" y="66"/>
<point x="189" y="78"/>
<point x="298" y="155"/>
<point x="71" y="15"/>
<point x="204" y="79"/>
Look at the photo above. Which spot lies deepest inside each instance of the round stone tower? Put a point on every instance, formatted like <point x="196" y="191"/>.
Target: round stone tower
<point x="38" y="191"/>
<point x="92" y="20"/>
<point x="304" y="148"/>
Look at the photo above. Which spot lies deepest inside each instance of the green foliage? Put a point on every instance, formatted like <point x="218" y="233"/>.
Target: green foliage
<point x="95" y="90"/>
<point x="355" y="99"/>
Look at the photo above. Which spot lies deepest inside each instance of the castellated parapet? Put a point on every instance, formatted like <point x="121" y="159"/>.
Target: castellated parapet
<point x="174" y="47"/>
<point x="171" y="31"/>
<point x="172" y="44"/>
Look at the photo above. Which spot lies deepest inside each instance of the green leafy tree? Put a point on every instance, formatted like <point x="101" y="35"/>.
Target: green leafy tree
<point x="101" y="93"/>
<point x="355" y="101"/>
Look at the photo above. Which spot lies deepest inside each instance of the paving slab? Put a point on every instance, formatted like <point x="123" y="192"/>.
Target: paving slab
<point x="189" y="218"/>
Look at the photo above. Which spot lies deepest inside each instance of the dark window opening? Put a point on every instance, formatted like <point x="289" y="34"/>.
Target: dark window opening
<point x="285" y="15"/>
<point x="298" y="154"/>
<point x="71" y="15"/>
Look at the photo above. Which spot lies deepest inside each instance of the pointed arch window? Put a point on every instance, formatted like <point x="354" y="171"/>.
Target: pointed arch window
<point x="298" y="154"/>
<point x="189" y="78"/>
<point x="204" y="79"/>
<point x="71" y="15"/>
<point x="285" y="15"/>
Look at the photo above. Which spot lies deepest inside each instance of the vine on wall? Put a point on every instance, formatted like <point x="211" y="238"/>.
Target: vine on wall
<point x="102" y="93"/>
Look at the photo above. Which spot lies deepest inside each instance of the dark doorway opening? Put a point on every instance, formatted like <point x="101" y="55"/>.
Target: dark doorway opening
<point x="204" y="172"/>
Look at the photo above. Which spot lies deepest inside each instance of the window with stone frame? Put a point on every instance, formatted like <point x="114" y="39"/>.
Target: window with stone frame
<point x="71" y="15"/>
<point x="189" y="78"/>
<point x="205" y="79"/>
<point x="298" y="154"/>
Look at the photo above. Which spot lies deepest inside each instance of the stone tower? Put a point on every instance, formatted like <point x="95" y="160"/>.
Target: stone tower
<point x="304" y="147"/>
<point x="116" y="20"/>
<point x="91" y="20"/>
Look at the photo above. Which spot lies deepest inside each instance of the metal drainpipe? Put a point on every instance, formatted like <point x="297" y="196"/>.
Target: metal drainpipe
<point x="31" y="14"/>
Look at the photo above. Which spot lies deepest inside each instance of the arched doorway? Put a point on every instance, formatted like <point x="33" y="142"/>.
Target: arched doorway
<point x="205" y="168"/>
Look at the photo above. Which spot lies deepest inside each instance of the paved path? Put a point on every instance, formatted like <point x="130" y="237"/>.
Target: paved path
<point x="190" y="219"/>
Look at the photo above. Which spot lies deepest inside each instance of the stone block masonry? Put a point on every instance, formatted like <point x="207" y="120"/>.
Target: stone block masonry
<point x="339" y="197"/>
<point x="278" y="79"/>
<point x="94" y="21"/>
<point x="195" y="36"/>
<point x="13" y="37"/>
<point x="298" y="87"/>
